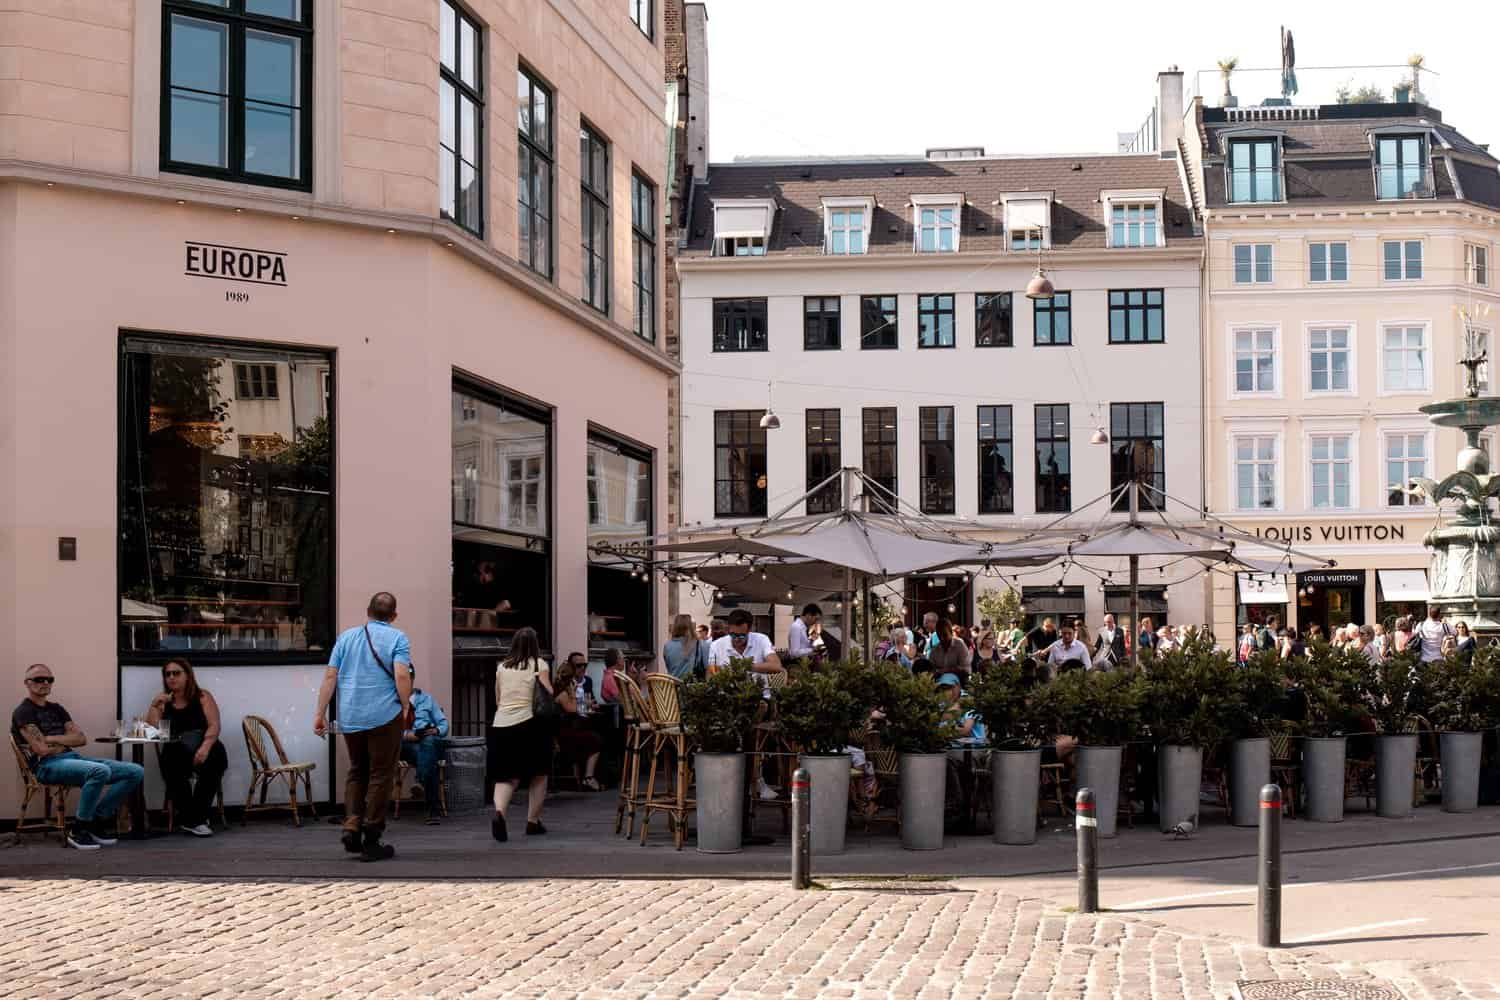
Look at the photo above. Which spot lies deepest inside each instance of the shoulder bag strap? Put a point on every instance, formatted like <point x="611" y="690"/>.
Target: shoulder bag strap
<point x="388" y="671"/>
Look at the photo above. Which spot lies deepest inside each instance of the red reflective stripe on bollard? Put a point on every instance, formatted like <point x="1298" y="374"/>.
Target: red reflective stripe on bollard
<point x="1270" y="805"/>
<point x="801" y="784"/>
<point x="1085" y="807"/>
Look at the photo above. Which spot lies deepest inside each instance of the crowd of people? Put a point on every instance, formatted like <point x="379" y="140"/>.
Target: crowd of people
<point x="1432" y="637"/>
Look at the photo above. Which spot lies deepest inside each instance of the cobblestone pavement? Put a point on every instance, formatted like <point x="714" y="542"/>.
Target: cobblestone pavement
<point x="154" y="938"/>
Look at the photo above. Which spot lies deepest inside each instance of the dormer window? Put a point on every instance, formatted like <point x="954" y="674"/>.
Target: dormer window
<point x="1254" y="166"/>
<point x="1401" y="167"/>
<point x="846" y="225"/>
<point x="742" y="226"/>
<point x="937" y="219"/>
<point x="1134" y="218"/>
<point x="1028" y="220"/>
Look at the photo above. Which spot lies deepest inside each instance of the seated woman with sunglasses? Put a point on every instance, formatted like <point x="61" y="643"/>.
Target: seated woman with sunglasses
<point x="193" y="715"/>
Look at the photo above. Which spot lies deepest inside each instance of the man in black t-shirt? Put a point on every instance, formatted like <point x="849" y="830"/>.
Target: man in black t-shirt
<point x="48" y="738"/>
<point x="1040" y="638"/>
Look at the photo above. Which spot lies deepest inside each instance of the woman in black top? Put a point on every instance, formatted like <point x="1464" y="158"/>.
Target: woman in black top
<point x="193" y="715"/>
<point x="1466" y="643"/>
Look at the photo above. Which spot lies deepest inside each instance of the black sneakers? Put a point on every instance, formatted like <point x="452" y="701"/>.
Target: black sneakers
<point x="374" y="850"/>
<point x="103" y="834"/>
<point x="353" y="841"/>
<point x="80" y="838"/>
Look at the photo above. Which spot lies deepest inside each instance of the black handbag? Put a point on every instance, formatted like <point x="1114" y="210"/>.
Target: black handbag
<point x="543" y="705"/>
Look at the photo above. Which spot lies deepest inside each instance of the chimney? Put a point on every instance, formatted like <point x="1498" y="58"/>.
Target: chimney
<point x="695" y="26"/>
<point x="1168" y="110"/>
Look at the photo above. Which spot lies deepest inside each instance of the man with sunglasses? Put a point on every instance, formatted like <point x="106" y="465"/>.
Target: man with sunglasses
<point x="48" y="737"/>
<point x="740" y="643"/>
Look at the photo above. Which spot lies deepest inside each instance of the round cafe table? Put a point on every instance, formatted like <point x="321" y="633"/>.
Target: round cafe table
<point x="138" y="745"/>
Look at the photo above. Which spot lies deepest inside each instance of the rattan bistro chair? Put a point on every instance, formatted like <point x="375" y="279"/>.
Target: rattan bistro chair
<point x="404" y="771"/>
<point x="264" y="773"/>
<point x="637" y="716"/>
<point x="54" y="818"/>
<point x="667" y="736"/>
<point x="769" y="741"/>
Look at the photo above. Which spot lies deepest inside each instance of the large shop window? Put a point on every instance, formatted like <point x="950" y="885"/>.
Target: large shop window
<point x="739" y="463"/>
<point x="234" y="101"/>
<point x="1138" y="439"/>
<point x="502" y="523"/>
<point x="226" y="500"/>
<point x="619" y="527"/>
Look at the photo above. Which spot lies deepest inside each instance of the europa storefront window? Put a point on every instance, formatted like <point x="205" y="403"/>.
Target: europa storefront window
<point x="235" y="89"/>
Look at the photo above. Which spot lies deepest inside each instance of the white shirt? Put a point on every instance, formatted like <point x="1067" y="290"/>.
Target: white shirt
<point x="797" y="642"/>
<point x="1432" y="634"/>
<point x="757" y="648"/>
<point x="1062" y="652"/>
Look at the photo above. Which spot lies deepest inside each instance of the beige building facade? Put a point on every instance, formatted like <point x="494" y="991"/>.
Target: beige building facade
<point x="1347" y="252"/>
<point x="299" y="301"/>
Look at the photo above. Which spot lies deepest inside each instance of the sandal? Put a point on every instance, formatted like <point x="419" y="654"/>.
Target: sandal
<point x="592" y="784"/>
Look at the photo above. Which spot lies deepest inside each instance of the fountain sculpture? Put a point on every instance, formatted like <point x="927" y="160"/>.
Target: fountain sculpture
<point x="1464" y="576"/>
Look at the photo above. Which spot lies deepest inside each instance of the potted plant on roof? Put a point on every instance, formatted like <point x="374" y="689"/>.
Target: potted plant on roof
<point x="1465" y="703"/>
<point x="1256" y="690"/>
<point x="720" y="712"/>
<point x="818" y="711"/>
<point x="1226" y="70"/>
<point x="1101" y="710"/>
<point x="1182" y="701"/>
<point x="1016" y="728"/>
<point x="1329" y="682"/>
<point x="918" y="726"/>
<point x="1417" y="62"/>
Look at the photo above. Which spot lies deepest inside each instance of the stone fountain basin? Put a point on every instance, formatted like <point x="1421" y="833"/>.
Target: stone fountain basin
<point x="1481" y="412"/>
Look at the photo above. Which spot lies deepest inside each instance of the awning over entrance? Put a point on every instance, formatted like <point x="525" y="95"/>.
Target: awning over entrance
<point x="1152" y="600"/>
<point x="1261" y="588"/>
<point x="1398" y="585"/>
<point x="1047" y="601"/>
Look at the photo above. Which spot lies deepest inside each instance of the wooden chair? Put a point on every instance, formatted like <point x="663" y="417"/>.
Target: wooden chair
<point x="54" y="818"/>
<point x="637" y="716"/>
<point x="264" y="773"/>
<point x="769" y="741"/>
<point x="405" y="771"/>
<point x="667" y="735"/>
<point x="1284" y="771"/>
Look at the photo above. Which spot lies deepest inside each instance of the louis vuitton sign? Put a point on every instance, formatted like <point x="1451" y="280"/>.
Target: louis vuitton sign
<point x="1331" y="533"/>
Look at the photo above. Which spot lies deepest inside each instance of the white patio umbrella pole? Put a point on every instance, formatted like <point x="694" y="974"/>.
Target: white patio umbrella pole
<point x="1135" y="577"/>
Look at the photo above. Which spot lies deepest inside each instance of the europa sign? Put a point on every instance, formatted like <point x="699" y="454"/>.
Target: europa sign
<point x="215" y="260"/>
<point x="1292" y="533"/>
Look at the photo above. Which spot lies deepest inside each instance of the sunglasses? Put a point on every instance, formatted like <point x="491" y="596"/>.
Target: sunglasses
<point x="40" y="680"/>
<point x="172" y="673"/>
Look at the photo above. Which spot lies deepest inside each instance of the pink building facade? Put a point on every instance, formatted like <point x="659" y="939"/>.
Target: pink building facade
<point x="334" y="314"/>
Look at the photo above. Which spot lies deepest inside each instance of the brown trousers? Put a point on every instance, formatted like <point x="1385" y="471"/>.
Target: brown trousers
<point x="373" y="755"/>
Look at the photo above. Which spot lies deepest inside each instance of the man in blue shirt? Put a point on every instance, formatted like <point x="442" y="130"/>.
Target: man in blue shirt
<point x="371" y="668"/>
<point x="423" y="744"/>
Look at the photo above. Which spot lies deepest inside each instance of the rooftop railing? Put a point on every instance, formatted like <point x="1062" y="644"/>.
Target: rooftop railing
<point x="1256" y="92"/>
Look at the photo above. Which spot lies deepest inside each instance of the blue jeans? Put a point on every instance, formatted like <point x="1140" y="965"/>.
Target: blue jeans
<point x="425" y="754"/>
<point x="95" y="775"/>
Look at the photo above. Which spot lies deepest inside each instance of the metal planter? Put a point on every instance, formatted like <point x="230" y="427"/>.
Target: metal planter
<point x="1395" y="767"/>
<point x="924" y="786"/>
<point x="1015" y="780"/>
<point x="1323" y="777"/>
<point x="1099" y="769"/>
<point x="1179" y="776"/>
<point x="830" y="801"/>
<point x="720" y="794"/>
<point x="1461" y="754"/>
<point x="1249" y="772"/>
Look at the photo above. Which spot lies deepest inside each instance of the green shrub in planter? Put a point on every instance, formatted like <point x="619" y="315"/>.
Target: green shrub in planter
<point x="1464" y="697"/>
<point x="818" y="710"/>
<point x="1390" y="688"/>
<point x="1257" y="691"/>
<point x="1332" y="681"/>
<point x="1000" y="700"/>
<point x="1185" y="694"/>
<point x="916" y="712"/>
<point x="720" y="710"/>
<point x="1096" y="708"/>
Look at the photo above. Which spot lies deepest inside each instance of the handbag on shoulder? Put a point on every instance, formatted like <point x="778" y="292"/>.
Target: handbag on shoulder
<point x="543" y="705"/>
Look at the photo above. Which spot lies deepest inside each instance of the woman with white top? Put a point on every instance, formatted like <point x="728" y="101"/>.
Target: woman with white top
<point x="520" y="744"/>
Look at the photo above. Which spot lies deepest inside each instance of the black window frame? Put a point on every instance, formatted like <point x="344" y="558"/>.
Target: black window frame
<point x="1424" y="163"/>
<point x="126" y="471"/>
<point x="462" y="92"/>
<point x="643" y="254"/>
<point x="824" y="458"/>
<point x="1126" y="308"/>
<point x="725" y="311"/>
<point x="992" y="310"/>
<point x="937" y="305"/>
<point x="741" y="429"/>
<point x="1122" y="435"/>
<point x="989" y="416"/>
<point x="932" y="447"/>
<point x="879" y="450"/>
<point x="873" y="307"/>
<point x="1278" y="184"/>
<point x="529" y="145"/>
<point x="594" y="201"/>
<point x="1051" y="308"/>
<point x="817" y="323"/>
<point x="234" y="16"/>
<point x="1059" y="485"/>
<point x="648" y="8"/>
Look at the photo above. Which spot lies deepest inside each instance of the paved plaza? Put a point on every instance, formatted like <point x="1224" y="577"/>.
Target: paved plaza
<point x="274" y="911"/>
